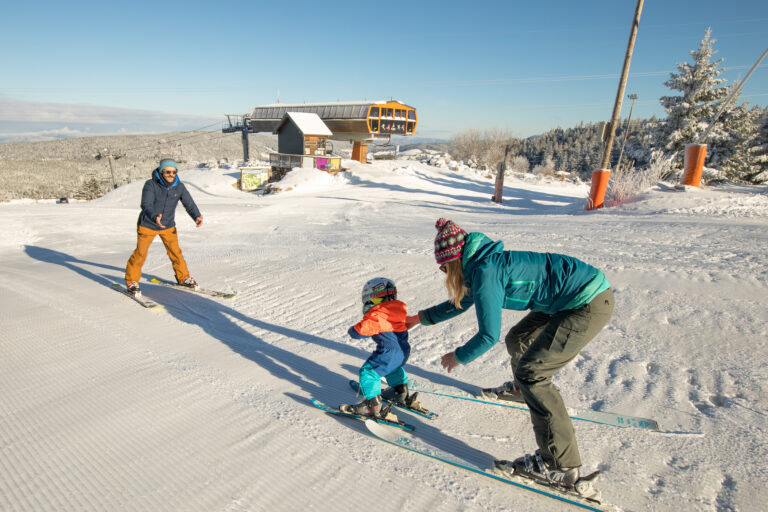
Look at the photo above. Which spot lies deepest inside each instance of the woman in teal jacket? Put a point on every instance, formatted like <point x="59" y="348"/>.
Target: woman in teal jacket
<point x="569" y="302"/>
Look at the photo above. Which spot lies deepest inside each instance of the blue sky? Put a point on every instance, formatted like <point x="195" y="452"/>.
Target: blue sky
<point x="521" y="66"/>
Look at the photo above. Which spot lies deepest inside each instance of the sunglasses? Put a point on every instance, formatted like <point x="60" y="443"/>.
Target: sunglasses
<point x="443" y="268"/>
<point x="172" y="173"/>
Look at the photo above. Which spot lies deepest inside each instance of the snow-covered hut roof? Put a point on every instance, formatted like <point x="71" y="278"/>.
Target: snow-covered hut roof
<point x="308" y="123"/>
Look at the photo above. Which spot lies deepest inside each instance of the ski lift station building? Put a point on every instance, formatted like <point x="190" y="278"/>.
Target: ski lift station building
<point x="301" y="142"/>
<point x="358" y="122"/>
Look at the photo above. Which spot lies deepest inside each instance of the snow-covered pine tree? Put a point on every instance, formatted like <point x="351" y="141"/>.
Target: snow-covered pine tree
<point x="759" y="172"/>
<point x="733" y="141"/>
<point x="689" y="114"/>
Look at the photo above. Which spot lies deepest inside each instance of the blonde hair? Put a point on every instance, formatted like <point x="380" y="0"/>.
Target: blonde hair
<point x="454" y="282"/>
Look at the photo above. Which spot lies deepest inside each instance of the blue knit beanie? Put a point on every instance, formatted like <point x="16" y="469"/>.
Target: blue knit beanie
<point x="168" y="162"/>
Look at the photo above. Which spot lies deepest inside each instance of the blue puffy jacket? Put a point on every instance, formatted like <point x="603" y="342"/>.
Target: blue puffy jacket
<point x="158" y="196"/>
<point x="499" y="279"/>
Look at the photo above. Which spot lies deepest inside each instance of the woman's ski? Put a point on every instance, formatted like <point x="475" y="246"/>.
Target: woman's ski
<point x="411" y="443"/>
<point x="603" y="418"/>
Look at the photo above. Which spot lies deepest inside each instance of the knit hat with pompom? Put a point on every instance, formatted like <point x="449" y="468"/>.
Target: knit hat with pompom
<point x="449" y="242"/>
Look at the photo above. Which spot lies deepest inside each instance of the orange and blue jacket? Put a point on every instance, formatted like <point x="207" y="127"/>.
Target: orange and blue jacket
<point x="385" y="323"/>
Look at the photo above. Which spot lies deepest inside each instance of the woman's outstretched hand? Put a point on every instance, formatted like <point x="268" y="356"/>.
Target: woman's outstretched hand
<point x="411" y="321"/>
<point x="448" y="361"/>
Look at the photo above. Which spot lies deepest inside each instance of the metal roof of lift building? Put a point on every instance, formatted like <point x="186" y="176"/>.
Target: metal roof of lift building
<point x="341" y="110"/>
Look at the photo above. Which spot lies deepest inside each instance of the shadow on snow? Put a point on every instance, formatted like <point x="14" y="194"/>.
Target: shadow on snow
<point x="519" y="201"/>
<point x="226" y="324"/>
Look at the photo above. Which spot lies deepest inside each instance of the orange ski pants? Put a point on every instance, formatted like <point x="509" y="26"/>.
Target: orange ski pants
<point x="170" y="241"/>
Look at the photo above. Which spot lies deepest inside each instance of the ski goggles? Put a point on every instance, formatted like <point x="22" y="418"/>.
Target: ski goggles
<point x="381" y="295"/>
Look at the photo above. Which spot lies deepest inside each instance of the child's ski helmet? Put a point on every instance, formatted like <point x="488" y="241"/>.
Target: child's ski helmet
<point x="376" y="291"/>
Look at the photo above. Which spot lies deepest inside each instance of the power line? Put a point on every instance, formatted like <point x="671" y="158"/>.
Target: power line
<point x="179" y="133"/>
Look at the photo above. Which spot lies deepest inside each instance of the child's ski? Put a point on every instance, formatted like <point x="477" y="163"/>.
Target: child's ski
<point x="388" y="394"/>
<point x="411" y="443"/>
<point x="203" y="291"/>
<point x="336" y="412"/>
<point x="603" y="418"/>
<point x="144" y="301"/>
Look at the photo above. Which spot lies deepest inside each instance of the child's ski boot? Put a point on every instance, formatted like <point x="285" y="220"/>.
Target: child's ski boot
<point x="406" y="400"/>
<point x="370" y="408"/>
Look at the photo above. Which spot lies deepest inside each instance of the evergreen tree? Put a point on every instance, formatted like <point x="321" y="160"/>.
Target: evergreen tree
<point x="689" y="115"/>
<point x="759" y="170"/>
<point x="576" y="150"/>
<point x="734" y="142"/>
<point x="90" y="190"/>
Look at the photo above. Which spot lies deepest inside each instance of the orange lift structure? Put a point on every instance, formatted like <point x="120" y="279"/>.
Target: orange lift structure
<point x="358" y="122"/>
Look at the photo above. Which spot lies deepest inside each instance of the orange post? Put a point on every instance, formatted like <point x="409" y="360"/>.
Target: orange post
<point x="599" y="186"/>
<point x="360" y="152"/>
<point x="695" y="154"/>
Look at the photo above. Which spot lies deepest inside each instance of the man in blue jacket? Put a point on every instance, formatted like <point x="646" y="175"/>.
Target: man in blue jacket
<point x="569" y="301"/>
<point x="159" y="198"/>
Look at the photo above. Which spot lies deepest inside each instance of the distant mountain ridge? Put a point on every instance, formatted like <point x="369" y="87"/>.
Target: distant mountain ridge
<point x="64" y="167"/>
<point x="80" y="166"/>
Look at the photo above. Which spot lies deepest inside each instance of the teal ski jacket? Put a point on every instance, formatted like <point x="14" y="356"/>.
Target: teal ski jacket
<point x="499" y="279"/>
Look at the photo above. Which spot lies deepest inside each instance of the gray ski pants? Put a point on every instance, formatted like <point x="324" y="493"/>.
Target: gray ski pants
<point x="539" y="345"/>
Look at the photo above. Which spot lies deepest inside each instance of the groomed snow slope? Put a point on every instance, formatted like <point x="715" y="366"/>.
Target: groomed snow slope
<point x="205" y="405"/>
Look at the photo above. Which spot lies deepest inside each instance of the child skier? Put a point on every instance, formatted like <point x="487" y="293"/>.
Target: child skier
<point x="384" y="321"/>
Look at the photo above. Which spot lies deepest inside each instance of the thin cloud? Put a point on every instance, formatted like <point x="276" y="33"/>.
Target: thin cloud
<point x="25" y="120"/>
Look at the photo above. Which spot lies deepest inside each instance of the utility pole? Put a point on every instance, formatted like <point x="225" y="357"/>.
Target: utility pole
<point x="633" y="97"/>
<point x="622" y="85"/>
<point x="106" y="153"/>
<point x="499" y="186"/>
